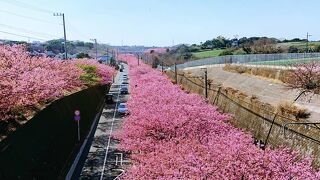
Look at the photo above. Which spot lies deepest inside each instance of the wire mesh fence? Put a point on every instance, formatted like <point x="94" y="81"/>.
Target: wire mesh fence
<point x="283" y="59"/>
<point x="219" y="97"/>
<point x="256" y="117"/>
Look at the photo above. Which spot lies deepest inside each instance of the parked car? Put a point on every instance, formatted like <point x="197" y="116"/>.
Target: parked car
<point x="109" y="98"/>
<point x="122" y="108"/>
<point x="125" y="82"/>
<point x="124" y="90"/>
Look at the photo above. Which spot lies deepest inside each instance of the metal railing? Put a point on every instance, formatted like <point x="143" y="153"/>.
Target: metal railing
<point x="255" y="59"/>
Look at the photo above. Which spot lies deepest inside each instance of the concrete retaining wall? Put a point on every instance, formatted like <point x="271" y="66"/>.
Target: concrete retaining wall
<point x="256" y="117"/>
<point x="45" y="147"/>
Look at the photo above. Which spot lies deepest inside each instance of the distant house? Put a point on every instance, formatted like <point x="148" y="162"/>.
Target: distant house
<point x="38" y="47"/>
<point x="235" y="43"/>
<point x="105" y="59"/>
<point x="38" y="54"/>
<point x="50" y="54"/>
<point x="61" y="56"/>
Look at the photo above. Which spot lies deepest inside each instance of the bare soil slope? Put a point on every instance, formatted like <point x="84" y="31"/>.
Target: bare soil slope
<point x="266" y="90"/>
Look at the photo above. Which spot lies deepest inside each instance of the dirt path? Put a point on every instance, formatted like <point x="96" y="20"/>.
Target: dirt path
<point x="268" y="91"/>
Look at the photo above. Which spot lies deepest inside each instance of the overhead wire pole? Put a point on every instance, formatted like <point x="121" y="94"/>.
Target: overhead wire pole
<point x="96" y="44"/>
<point x="175" y="73"/>
<point x="307" y="44"/>
<point x="162" y="67"/>
<point x="64" y="32"/>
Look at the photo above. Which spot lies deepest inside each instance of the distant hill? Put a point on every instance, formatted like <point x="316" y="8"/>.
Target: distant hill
<point x="55" y="47"/>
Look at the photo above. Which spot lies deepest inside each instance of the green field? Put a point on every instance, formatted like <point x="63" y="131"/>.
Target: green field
<point x="207" y="54"/>
<point x="298" y="44"/>
<point x="285" y="62"/>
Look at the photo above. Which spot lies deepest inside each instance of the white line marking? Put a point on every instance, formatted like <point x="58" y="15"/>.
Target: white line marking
<point x="118" y="177"/>
<point x="111" y="129"/>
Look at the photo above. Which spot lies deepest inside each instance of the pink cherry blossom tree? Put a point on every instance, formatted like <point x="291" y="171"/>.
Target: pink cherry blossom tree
<point x="27" y="83"/>
<point x="174" y="135"/>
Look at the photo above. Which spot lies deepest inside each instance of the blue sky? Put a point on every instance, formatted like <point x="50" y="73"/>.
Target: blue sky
<point x="160" y="22"/>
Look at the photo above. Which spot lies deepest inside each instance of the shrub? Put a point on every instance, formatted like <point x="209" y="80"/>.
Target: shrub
<point x="289" y="108"/>
<point x="317" y="48"/>
<point x="239" y="52"/>
<point x="241" y="69"/>
<point x="226" y="52"/>
<point x="293" y="49"/>
<point x="254" y="98"/>
<point x="235" y="68"/>
<point x="305" y="77"/>
<point x="82" y="56"/>
<point x="90" y="76"/>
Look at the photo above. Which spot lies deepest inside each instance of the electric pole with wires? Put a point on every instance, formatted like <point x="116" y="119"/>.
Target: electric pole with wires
<point x="96" y="44"/>
<point x="307" y="44"/>
<point x="64" y="32"/>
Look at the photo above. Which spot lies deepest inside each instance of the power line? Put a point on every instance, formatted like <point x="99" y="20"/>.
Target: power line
<point x="27" y="6"/>
<point x="27" y="31"/>
<point x="75" y="30"/>
<point x="29" y="37"/>
<point x="29" y="17"/>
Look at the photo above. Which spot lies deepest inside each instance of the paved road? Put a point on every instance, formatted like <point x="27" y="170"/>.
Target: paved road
<point x="267" y="91"/>
<point x="103" y="154"/>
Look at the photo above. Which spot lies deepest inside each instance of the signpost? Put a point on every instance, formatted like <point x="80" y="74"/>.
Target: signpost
<point x="77" y="118"/>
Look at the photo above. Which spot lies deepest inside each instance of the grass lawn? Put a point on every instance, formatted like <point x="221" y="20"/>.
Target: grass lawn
<point x="285" y="62"/>
<point x="207" y="54"/>
<point x="298" y="44"/>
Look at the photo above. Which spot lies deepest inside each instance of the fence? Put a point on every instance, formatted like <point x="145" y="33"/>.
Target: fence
<point x="255" y="59"/>
<point x="256" y="117"/>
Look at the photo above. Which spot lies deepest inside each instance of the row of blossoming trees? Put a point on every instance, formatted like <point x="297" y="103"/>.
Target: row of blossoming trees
<point x="28" y="83"/>
<point x="175" y="135"/>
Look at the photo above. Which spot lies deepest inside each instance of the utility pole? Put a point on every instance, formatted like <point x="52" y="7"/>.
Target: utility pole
<point x="162" y="66"/>
<point x="64" y="32"/>
<point x="176" y="72"/>
<point x="96" y="44"/>
<point x="307" y="45"/>
<point x="206" y="81"/>
<point x="138" y="59"/>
